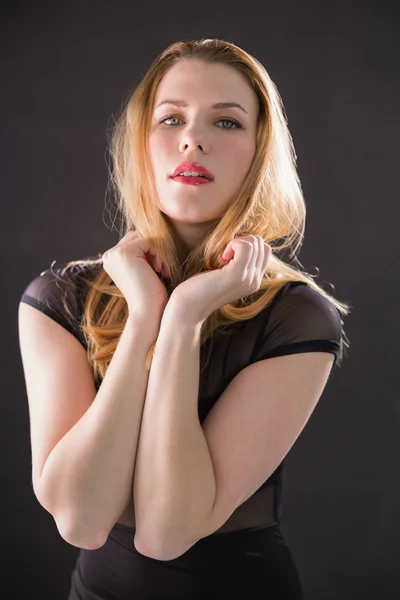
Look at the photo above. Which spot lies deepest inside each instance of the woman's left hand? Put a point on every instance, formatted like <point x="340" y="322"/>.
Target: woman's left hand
<point x="199" y="296"/>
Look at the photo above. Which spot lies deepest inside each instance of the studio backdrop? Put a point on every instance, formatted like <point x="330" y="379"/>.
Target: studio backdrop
<point x="66" y="68"/>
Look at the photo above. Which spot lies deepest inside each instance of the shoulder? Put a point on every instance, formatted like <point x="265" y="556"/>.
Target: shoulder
<point x="67" y="275"/>
<point x="60" y="292"/>
<point x="62" y="285"/>
<point x="300" y="298"/>
<point x="74" y="271"/>
<point x="300" y="313"/>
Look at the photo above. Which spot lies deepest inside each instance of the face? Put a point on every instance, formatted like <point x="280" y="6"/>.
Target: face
<point x="188" y="128"/>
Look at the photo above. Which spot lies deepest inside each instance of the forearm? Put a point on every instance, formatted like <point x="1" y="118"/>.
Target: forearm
<point x="174" y="483"/>
<point x="87" y="479"/>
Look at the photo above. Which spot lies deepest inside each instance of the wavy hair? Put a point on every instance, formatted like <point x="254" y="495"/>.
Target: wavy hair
<point x="270" y="204"/>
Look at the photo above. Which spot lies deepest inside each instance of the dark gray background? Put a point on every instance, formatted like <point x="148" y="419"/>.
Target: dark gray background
<point x="65" y="70"/>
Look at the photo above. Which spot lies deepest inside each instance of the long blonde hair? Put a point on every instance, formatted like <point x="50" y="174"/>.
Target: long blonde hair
<point x="270" y="203"/>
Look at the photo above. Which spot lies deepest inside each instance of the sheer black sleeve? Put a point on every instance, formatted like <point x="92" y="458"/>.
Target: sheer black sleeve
<point x="57" y="292"/>
<point x="301" y="319"/>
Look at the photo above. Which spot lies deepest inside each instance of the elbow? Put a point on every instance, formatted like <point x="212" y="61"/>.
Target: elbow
<point x="146" y="550"/>
<point x="165" y="552"/>
<point x="80" y="536"/>
<point x="73" y="529"/>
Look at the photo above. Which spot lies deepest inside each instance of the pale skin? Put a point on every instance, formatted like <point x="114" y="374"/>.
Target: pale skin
<point x="138" y="438"/>
<point x="189" y="478"/>
<point x="221" y="139"/>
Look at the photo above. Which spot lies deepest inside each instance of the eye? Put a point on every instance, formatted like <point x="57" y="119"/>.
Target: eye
<point x="168" y="118"/>
<point x="236" y="124"/>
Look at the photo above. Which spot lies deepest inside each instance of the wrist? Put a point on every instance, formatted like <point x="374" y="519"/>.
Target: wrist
<point x="178" y="313"/>
<point x="146" y="325"/>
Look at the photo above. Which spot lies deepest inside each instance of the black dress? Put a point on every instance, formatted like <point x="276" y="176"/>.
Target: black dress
<point x="249" y="552"/>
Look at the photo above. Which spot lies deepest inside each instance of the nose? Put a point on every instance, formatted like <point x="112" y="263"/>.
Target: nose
<point x="193" y="139"/>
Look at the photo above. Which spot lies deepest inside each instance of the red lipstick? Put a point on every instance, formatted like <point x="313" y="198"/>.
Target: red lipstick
<point x="192" y="167"/>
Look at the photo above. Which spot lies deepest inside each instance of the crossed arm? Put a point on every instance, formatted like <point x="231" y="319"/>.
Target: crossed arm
<point x="190" y="477"/>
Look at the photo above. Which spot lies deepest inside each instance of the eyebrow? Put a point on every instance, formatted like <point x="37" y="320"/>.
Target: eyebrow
<point x="216" y="105"/>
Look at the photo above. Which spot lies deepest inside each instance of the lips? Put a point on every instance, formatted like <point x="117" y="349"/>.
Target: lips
<point x="192" y="166"/>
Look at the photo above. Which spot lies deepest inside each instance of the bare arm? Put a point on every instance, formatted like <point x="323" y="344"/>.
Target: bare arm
<point x="86" y="481"/>
<point x="174" y="482"/>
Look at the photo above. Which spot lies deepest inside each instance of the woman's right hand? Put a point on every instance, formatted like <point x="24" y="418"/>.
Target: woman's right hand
<point x="132" y="265"/>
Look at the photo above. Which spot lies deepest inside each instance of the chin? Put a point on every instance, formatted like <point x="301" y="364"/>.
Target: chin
<point x="191" y="217"/>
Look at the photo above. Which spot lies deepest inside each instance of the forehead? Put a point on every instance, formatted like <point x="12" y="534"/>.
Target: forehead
<point x="192" y="81"/>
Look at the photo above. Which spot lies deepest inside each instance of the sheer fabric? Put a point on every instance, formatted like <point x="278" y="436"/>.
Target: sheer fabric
<point x="299" y="319"/>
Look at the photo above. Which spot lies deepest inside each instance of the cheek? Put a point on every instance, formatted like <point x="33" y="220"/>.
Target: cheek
<point x="159" y="150"/>
<point x="240" y="159"/>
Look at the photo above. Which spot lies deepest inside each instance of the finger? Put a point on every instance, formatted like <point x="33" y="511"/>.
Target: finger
<point x="142" y="244"/>
<point x="227" y="254"/>
<point x="164" y="272"/>
<point x="242" y="251"/>
<point x="157" y="264"/>
<point x="149" y="253"/>
<point x="142" y="247"/>
<point x="260" y="254"/>
<point x="129" y="235"/>
<point x="254" y="263"/>
<point x="267" y="254"/>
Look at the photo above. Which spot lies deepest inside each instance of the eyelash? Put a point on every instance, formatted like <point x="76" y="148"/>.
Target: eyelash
<point x="236" y="123"/>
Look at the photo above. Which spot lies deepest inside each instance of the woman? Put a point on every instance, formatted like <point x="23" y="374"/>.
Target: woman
<point x="168" y="378"/>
